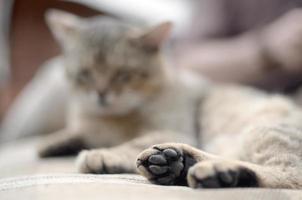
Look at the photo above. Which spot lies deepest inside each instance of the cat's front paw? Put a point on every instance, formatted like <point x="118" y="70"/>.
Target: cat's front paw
<point x="221" y="174"/>
<point x="102" y="162"/>
<point x="88" y="162"/>
<point x="165" y="164"/>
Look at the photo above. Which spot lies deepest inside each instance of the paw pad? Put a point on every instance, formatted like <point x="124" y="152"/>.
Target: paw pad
<point x="221" y="175"/>
<point x="165" y="166"/>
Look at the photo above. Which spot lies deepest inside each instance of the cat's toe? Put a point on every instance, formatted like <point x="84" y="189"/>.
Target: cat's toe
<point x="89" y="162"/>
<point x="221" y="174"/>
<point x="165" y="165"/>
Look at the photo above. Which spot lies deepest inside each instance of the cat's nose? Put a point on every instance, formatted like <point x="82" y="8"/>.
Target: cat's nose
<point x="102" y="98"/>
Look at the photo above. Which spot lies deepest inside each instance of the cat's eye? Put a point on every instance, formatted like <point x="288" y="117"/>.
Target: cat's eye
<point x="84" y="76"/>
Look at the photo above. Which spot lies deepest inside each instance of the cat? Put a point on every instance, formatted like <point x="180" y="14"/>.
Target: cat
<point x="123" y="98"/>
<point x="127" y="98"/>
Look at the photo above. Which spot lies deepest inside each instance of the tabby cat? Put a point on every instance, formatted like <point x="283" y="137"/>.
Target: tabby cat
<point x="126" y="98"/>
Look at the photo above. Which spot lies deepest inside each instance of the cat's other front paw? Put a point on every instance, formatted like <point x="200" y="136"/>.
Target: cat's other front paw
<point x="102" y="162"/>
<point x="88" y="162"/>
<point x="221" y="174"/>
<point x="165" y="164"/>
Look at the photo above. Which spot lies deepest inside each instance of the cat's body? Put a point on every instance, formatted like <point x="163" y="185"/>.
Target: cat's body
<point x="126" y="99"/>
<point x="176" y="102"/>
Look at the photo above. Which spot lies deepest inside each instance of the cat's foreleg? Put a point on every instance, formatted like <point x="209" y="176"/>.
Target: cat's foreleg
<point x="185" y="165"/>
<point x="168" y="163"/>
<point x="270" y="157"/>
<point x="232" y="173"/>
<point x="61" y="143"/>
<point x="121" y="158"/>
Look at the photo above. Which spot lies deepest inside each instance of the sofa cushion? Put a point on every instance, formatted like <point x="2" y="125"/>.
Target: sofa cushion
<point x="76" y="186"/>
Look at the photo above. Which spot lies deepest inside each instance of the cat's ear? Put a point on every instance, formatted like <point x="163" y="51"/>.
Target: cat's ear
<point x="62" y="24"/>
<point x="153" y="37"/>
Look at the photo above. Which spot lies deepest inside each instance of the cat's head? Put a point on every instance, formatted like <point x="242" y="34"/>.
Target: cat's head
<point x="113" y="66"/>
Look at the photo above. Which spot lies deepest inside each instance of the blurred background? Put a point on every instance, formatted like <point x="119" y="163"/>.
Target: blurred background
<point x="209" y="36"/>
